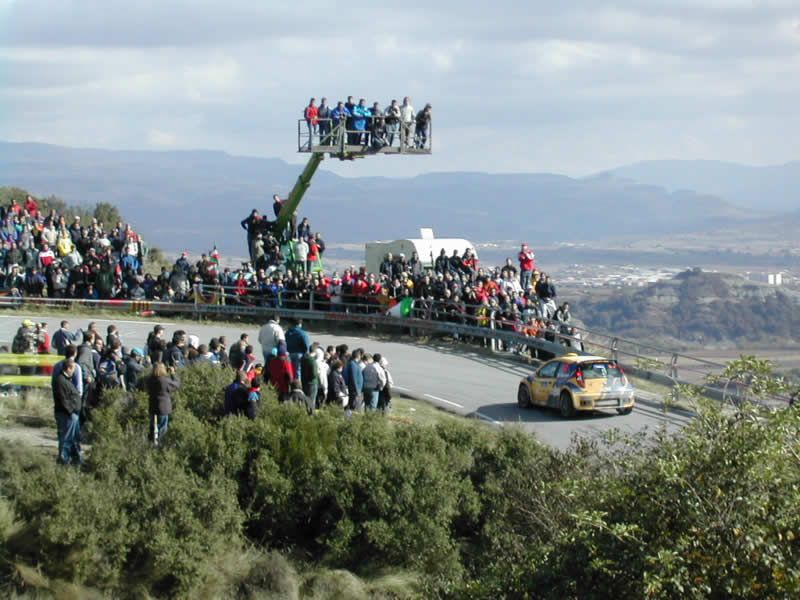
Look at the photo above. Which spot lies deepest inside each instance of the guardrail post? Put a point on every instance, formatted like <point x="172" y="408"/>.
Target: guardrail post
<point x="492" y="340"/>
<point x="614" y="351"/>
<point x="197" y="291"/>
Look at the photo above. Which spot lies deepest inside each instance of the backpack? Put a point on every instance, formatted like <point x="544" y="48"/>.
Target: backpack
<point x="107" y="374"/>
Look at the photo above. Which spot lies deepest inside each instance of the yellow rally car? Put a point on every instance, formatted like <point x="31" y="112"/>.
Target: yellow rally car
<point x="574" y="383"/>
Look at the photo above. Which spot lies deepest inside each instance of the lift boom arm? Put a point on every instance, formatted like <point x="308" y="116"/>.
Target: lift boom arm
<point x="296" y="195"/>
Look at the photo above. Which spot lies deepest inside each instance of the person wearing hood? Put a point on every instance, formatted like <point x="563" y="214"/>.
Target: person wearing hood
<point x="134" y="367"/>
<point x="281" y="373"/>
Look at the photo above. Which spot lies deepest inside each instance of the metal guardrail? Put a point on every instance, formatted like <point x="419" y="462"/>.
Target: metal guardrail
<point x="627" y="352"/>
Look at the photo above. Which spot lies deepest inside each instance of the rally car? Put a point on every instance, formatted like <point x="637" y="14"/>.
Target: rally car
<point x="573" y="383"/>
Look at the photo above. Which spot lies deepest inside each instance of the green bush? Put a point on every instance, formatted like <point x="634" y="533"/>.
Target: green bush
<point x="282" y="506"/>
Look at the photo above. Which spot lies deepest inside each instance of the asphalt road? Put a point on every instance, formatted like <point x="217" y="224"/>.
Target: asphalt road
<point x="455" y="378"/>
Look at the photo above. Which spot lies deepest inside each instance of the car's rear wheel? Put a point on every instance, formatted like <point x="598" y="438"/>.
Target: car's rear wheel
<point x="625" y="411"/>
<point x="566" y="405"/>
<point x="523" y="396"/>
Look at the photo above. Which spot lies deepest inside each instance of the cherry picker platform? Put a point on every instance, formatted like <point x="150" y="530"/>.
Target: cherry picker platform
<point x="334" y="139"/>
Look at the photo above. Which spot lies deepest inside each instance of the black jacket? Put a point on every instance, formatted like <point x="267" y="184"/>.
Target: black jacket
<point x="66" y="398"/>
<point x="160" y="391"/>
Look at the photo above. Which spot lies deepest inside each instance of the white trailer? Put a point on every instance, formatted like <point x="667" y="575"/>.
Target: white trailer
<point x="426" y="246"/>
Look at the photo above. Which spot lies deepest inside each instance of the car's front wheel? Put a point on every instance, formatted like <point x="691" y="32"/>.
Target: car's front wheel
<point x="625" y="411"/>
<point x="566" y="405"/>
<point x="523" y="396"/>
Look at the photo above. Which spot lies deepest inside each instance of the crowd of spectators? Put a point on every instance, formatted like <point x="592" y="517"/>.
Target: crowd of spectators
<point x="44" y="253"/>
<point x="43" y="256"/>
<point x="299" y="370"/>
<point x="368" y="126"/>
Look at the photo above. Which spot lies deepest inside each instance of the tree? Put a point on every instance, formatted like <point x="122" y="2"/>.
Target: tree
<point x="107" y="213"/>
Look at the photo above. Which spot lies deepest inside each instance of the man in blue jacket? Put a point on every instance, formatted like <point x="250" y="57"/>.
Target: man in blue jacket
<point x="354" y="378"/>
<point x="297" y="344"/>
<point x="361" y="113"/>
<point x="340" y="115"/>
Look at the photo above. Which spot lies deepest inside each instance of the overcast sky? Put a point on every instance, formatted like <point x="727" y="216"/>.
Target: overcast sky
<point x="525" y="85"/>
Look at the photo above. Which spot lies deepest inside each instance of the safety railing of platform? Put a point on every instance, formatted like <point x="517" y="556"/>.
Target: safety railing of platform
<point x="342" y="135"/>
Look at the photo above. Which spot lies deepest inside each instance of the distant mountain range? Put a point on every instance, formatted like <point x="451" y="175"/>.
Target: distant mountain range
<point x="191" y="199"/>
<point x="763" y="189"/>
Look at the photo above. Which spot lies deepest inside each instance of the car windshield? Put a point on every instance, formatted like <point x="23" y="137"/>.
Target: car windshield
<point x="600" y="370"/>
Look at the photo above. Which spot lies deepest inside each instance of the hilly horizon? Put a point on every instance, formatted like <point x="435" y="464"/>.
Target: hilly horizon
<point x="771" y="188"/>
<point x="190" y="199"/>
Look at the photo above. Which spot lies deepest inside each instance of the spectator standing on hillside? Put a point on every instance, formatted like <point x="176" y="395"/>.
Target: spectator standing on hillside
<point x="385" y="398"/>
<point x="281" y="373"/>
<point x="270" y="337"/>
<point x="160" y="386"/>
<point x="236" y="395"/>
<point x="237" y="353"/>
<point x="297" y="344"/>
<point x="309" y="373"/>
<point x="374" y="382"/>
<point x="354" y="378"/>
<point x="526" y="266"/>
<point x="64" y="337"/>
<point x="298" y="396"/>
<point x="67" y="408"/>
<point x="337" y="387"/>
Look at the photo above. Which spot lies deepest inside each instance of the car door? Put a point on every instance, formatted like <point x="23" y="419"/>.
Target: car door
<point x="544" y="381"/>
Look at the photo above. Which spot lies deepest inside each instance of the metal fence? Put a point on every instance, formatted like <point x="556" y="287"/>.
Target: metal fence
<point x="657" y="364"/>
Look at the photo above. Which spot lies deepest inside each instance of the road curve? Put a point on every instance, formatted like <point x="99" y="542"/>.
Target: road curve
<point x="459" y="378"/>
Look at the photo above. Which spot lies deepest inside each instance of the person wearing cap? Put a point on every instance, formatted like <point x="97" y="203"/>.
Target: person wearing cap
<point x="134" y="367"/>
<point x="27" y="339"/>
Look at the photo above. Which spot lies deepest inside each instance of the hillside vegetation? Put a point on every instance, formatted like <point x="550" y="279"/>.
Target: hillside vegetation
<point x="697" y="306"/>
<point x="291" y="506"/>
<point x="201" y="196"/>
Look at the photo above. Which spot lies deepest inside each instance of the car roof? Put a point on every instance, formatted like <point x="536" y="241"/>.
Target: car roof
<point x="580" y="358"/>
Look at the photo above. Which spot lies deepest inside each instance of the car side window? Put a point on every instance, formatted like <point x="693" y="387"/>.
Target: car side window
<point x="549" y="370"/>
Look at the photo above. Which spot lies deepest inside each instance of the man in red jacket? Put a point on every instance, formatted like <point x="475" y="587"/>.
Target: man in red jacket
<point x="526" y="266"/>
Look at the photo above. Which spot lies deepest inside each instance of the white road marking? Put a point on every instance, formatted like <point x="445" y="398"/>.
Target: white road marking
<point x="432" y="397"/>
<point x="401" y="388"/>
<point x="485" y="418"/>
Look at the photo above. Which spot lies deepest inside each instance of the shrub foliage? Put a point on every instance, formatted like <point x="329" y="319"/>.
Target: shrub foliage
<point x="369" y="508"/>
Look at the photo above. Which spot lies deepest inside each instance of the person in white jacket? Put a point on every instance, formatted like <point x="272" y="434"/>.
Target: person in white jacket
<point x="269" y="337"/>
<point x="324" y="370"/>
<point x="408" y="119"/>
<point x="374" y="381"/>
<point x="385" y="396"/>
